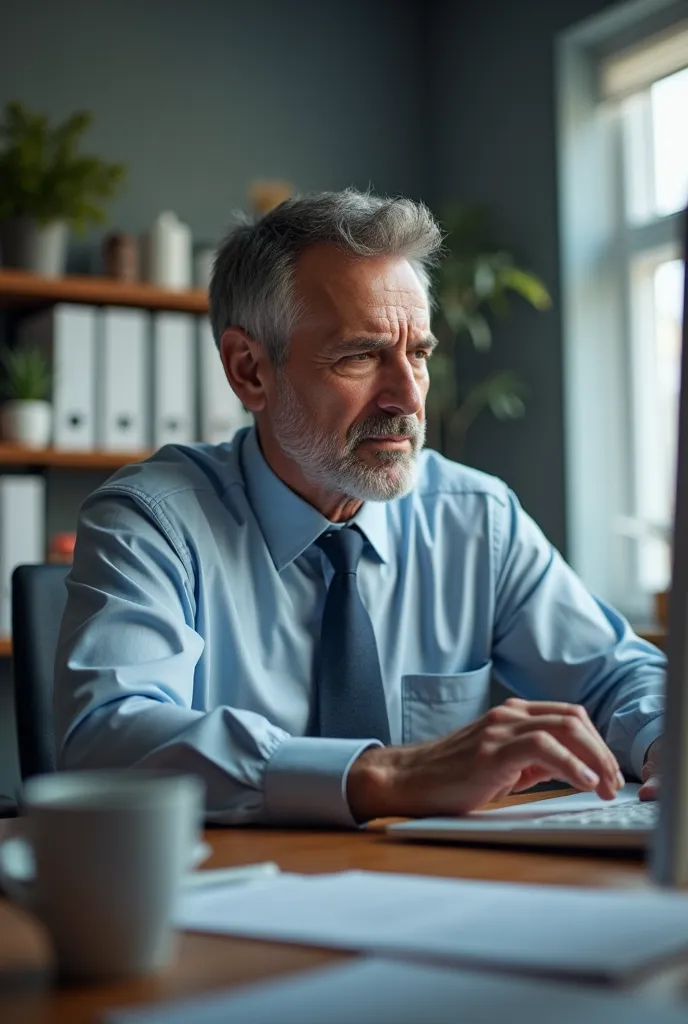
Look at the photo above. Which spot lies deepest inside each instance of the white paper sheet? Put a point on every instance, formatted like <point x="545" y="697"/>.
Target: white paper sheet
<point x="384" y="992"/>
<point x="562" y="931"/>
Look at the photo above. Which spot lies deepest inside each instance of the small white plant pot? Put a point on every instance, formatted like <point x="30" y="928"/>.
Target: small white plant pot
<point x="28" y="423"/>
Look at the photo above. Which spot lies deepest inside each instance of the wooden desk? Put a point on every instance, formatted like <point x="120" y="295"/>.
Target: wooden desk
<point x="27" y="995"/>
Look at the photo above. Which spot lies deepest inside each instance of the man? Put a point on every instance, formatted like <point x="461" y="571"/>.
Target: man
<point x="309" y="616"/>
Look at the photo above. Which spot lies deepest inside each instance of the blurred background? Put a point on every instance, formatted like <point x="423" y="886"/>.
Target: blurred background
<point x="548" y="136"/>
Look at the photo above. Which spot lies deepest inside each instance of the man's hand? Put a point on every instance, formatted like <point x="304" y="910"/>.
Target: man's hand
<point x="507" y="750"/>
<point x="650" y="787"/>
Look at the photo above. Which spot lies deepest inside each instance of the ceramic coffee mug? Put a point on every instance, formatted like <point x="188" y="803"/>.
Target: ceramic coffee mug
<point x="109" y="851"/>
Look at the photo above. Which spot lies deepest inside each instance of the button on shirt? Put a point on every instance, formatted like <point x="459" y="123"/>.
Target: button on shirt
<point x="193" y="619"/>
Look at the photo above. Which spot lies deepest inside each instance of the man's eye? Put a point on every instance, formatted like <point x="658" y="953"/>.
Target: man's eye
<point x="424" y="353"/>
<point x="360" y="357"/>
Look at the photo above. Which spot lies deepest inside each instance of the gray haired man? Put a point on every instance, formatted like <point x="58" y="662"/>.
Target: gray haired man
<point x="309" y="615"/>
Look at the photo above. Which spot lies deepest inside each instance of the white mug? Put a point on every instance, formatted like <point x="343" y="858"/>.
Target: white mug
<point x="110" y="849"/>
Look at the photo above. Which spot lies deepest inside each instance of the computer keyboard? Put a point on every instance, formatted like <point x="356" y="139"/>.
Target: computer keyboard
<point x="579" y="820"/>
<point x="622" y="816"/>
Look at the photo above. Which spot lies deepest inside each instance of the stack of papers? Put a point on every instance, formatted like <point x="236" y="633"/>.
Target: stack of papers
<point x="563" y="932"/>
<point x="384" y="992"/>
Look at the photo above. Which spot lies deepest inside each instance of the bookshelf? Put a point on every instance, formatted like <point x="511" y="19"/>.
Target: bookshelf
<point x="20" y="288"/>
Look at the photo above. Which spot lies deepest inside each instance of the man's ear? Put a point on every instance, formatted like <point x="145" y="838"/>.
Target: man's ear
<point x="244" y="362"/>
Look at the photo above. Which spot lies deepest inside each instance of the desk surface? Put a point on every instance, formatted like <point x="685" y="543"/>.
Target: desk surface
<point x="204" y="962"/>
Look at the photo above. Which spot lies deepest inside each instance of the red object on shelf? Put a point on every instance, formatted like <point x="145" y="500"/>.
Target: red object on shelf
<point x="61" y="547"/>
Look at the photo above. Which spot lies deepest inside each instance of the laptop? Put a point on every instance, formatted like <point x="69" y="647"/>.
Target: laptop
<point x="583" y="819"/>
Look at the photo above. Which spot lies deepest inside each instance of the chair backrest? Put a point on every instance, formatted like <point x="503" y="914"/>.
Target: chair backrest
<point x="39" y="596"/>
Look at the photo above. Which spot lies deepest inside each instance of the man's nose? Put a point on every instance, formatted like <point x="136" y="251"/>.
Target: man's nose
<point x="401" y="393"/>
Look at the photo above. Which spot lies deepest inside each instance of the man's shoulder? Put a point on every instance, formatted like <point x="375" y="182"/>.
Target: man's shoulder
<point x="176" y="469"/>
<point x="438" y="475"/>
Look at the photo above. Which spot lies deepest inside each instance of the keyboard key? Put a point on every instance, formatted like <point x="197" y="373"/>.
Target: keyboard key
<point x="623" y="816"/>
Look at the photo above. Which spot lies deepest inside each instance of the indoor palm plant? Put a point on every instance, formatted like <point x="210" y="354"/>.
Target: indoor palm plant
<point x="472" y="284"/>
<point x="48" y="186"/>
<point x="25" y="384"/>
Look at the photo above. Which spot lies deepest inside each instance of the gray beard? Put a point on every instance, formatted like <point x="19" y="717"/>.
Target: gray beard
<point x="326" y="463"/>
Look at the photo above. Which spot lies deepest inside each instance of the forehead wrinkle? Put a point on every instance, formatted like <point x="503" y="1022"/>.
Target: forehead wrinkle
<point x="333" y="302"/>
<point x="394" y="319"/>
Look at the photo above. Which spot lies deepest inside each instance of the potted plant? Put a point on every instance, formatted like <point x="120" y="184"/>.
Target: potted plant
<point x="47" y="186"/>
<point x="25" y="382"/>
<point x="473" y="279"/>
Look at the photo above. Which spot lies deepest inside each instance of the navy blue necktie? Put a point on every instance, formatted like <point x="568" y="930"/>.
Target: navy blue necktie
<point x="350" y="697"/>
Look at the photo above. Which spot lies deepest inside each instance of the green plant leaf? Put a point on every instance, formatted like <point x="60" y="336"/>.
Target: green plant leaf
<point x="503" y="393"/>
<point x="528" y="285"/>
<point x="484" y="279"/>
<point x="479" y="330"/>
<point x="473" y="283"/>
<point x="26" y="374"/>
<point x="507" y="406"/>
<point x="44" y="176"/>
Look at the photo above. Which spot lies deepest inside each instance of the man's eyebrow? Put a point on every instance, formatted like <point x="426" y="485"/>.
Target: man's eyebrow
<point x="363" y="344"/>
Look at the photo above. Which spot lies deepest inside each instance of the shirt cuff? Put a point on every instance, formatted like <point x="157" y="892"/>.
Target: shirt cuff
<point x="305" y="781"/>
<point x="641" y="744"/>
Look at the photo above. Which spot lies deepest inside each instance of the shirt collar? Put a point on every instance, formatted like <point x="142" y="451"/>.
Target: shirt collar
<point x="289" y="524"/>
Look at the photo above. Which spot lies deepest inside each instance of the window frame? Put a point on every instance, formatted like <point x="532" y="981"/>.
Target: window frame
<point x="598" y="247"/>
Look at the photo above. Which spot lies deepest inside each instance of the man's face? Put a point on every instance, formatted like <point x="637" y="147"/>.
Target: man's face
<point x="348" y="406"/>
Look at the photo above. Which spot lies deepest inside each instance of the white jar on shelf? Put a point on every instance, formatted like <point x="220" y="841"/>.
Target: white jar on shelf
<point x="169" y="252"/>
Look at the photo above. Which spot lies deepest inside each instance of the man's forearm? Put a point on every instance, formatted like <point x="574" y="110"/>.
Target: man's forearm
<point x="267" y="777"/>
<point x="138" y="732"/>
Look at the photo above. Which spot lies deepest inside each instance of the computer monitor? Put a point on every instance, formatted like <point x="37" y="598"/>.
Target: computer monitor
<point x="669" y="856"/>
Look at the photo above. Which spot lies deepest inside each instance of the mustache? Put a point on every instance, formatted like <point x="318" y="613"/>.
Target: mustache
<point x="385" y="426"/>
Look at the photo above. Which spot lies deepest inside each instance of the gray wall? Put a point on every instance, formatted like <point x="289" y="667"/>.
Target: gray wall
<point x="494" y="129"/>
<point x="202" y="96"/>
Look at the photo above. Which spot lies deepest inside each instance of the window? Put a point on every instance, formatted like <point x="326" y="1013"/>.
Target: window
<point x="623" y="183"/>
<point x="652" y="155"/>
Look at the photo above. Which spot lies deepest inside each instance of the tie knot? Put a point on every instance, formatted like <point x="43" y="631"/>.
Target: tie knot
<point x="343" y="548"/>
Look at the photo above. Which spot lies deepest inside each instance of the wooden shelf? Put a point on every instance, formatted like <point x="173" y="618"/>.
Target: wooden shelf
<point x="19" y="288"/>
<point x="5" y="647"/>
<point x="16" y="455"/>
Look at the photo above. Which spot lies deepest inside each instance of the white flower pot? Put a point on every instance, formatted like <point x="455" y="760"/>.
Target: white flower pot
<point x="27" y="423"/>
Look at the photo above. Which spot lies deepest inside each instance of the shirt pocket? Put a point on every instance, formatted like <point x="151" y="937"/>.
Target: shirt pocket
<point x="435" y="705"/>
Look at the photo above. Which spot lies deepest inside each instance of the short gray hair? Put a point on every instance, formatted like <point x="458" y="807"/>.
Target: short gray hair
<point x="252" y="281"/>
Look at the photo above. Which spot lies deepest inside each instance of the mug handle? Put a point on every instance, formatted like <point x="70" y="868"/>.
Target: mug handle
<point x="17" y="871"/>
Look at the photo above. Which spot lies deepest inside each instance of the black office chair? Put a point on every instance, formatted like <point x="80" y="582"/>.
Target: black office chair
<point x="39" y="596"/>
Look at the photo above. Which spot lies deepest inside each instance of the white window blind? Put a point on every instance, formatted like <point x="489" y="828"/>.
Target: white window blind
<point x="636" y="68"/>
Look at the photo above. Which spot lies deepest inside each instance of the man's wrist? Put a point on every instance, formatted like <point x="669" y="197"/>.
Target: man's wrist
<point x="370" y="785"/>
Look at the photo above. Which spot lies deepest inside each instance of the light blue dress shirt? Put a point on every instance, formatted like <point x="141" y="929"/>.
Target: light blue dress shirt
<point x="190" y="636"/>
